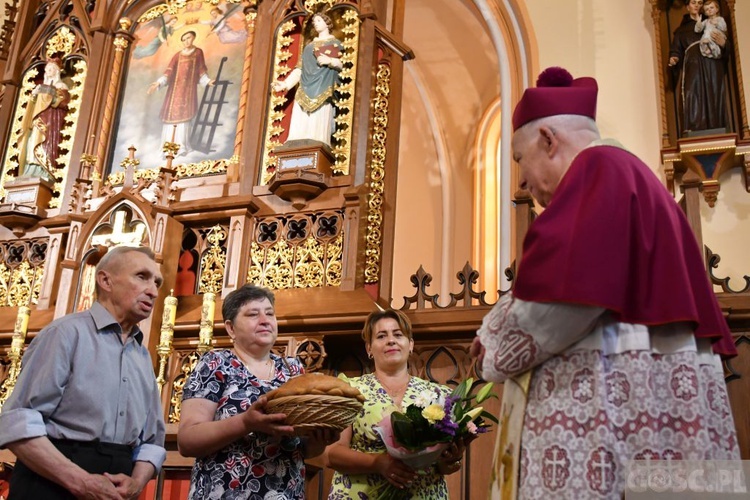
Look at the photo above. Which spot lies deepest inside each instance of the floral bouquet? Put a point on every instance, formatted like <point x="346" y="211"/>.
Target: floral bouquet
<point x="420" y="434"/>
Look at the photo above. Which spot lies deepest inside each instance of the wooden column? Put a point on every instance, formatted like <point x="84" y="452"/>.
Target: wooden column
<point x="690" y="204"/>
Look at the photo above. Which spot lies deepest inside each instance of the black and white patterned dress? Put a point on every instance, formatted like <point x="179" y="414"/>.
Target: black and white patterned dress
<point x="256" y="467"/>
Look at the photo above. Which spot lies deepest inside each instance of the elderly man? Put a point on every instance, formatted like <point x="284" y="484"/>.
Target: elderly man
<point x="84" y="419"/>
<point x="611" y="309"/>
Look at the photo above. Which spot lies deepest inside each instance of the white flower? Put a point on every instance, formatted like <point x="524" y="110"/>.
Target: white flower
<point x="440" y="400"/>
<point x="424" y="399"/>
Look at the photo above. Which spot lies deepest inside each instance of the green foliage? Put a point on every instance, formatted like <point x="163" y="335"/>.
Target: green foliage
<point x="489" y="416"/>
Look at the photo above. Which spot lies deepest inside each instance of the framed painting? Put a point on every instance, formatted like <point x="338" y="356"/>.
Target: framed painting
<point x="183" y="86"/>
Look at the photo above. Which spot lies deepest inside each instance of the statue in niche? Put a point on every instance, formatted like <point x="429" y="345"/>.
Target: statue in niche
<point x="317" y="74"/>
<point x="713" y="22"/>
<point x="42" y="124"/>
<point x="701" y="79"/>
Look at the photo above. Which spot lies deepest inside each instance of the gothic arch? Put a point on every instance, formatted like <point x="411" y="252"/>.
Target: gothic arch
<point x="492" y="75"/>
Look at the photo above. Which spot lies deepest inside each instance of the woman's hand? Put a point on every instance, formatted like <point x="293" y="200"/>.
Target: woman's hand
<point x="394" y="471"/>
<point x="316" y="442"/>
<point x="256" y="419"/>
<point x="450" y="460"/>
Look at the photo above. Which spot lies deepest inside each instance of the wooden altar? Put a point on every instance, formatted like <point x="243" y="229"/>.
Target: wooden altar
<point x="316" y="225"/>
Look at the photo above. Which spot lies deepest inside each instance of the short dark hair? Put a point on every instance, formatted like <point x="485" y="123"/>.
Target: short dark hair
<point x="114" y="253"/>
<point x="375" y="316"/>
<point x="188" y="33"/>
<point x="244" y="294"/>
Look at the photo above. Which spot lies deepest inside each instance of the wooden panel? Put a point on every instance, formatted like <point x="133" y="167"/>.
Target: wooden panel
<point x="738" y="386"/>
<point x="176" y="484"/>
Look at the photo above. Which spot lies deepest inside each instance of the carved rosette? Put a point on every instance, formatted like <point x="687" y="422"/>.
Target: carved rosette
<point x="312" y="354"/>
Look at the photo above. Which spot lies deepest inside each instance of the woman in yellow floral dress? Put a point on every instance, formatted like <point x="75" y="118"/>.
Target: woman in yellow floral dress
<point x="362" y="465"/>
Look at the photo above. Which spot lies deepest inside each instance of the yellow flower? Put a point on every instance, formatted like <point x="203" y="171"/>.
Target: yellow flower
<point x="433" y="413"/>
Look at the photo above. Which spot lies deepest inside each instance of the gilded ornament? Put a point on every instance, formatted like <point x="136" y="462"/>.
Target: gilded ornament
<point x="206" y="331"/>
<point x="125" y="23"/>
<point x="315" y="5"/>
<point x="89" y="159"/>
<point x="128" y="162"/>
<point x="164" y="348"/>
<point x="175" y="402"/>
<point x="61" y="43"/>
<point x="153" y="13"/>
<point x="20" y="284"/>
<point x="69" y="131"/>
<point x="120" y="43"/>
<point x="213" y="262"/>
<point x="294" y="262"/>
<point x="345" y="101"/>
<point x="15" y="353"/>
<point x="273" y="130"/>
<point x="377" y="174"/>
<point x="171" y="148"/>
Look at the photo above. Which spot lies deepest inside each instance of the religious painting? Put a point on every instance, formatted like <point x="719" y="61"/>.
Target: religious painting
<point x="312" y="85"/>
<point x="183" y="84"/>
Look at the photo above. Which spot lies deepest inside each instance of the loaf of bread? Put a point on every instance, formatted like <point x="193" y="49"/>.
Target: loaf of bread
<point x="316" y="383"/>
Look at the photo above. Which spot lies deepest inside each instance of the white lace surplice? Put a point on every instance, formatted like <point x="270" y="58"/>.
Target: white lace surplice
<point x="615" y="392"/>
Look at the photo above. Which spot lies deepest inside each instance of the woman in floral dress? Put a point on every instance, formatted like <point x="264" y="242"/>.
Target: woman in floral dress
<point x="243" y="452"/>
<point x="362" y="465"/>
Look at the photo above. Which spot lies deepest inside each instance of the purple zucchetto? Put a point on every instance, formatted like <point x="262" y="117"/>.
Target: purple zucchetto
<point x="556" y="93"/>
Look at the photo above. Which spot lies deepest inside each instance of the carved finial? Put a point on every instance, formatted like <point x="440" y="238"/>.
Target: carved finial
<point x="129" y="165"/>
<point x="125" y="23"/>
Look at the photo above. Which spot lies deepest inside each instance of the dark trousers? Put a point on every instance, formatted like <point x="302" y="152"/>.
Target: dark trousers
<point x="94" y="457"/>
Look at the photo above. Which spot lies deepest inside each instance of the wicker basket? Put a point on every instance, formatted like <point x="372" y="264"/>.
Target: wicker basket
<point x="307" y="412"/>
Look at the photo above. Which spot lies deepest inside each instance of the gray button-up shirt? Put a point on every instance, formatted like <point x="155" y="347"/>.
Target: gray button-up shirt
<point x="79" y="381"/>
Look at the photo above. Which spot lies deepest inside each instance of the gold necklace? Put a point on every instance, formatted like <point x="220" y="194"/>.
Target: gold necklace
<point x="270" y="363"/>
<point x="394" y="394"/>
